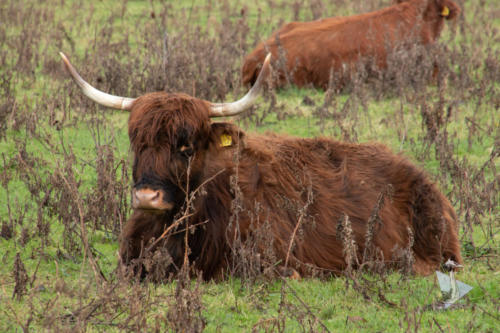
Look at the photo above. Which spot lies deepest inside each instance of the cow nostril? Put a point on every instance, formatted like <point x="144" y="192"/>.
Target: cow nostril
<point x="155" y="196"/>
<point x="146" y="195"/>
<point x="149" y="199"/>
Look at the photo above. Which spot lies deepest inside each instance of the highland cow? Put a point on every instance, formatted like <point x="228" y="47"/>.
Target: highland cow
<point x="335" y="48"/>
<point x="201" y="185"/>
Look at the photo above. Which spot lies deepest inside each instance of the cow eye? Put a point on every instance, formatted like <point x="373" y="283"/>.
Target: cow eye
<point x="186" y="150"/>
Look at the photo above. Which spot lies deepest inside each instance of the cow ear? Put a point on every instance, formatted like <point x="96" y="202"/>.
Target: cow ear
<point x="448" y="9"/>
<point x="225" y="135"/>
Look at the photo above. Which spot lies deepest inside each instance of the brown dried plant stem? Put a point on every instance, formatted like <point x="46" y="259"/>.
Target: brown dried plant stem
<point x="98" y="274"/>
<point x="302" y="214"/>
<point x="186" y="213"/>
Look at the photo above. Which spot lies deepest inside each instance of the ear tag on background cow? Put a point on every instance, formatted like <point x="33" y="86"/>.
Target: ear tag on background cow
<point x="226" y="140"/>
<point x="446" y="11"/>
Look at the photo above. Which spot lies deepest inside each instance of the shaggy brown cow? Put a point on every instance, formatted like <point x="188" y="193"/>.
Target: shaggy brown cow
<point x="189" y="171"/>
<point x="339" y="44"/>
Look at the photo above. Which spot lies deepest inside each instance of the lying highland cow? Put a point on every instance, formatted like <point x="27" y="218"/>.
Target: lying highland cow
<point x="189" y="172"/>
<point x="336" y="46"/>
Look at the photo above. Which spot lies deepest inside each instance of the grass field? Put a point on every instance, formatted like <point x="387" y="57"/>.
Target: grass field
<point x="65" y="164"/>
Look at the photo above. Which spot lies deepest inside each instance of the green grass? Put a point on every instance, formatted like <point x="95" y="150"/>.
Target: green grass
<point x="61" y="282"/>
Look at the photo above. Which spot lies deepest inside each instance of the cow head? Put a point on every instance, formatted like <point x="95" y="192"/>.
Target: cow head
<point x="171" y="135"/>
<point x="446" y="9"/>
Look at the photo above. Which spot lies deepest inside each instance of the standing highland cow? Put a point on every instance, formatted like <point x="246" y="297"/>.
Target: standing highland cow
<point x="335" y="47"/>
<point x="199" y="186"/>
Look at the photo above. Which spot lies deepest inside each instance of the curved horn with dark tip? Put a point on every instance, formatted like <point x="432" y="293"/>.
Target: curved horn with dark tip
<point x="111" y="101"/>
<point x="234" y="108"/>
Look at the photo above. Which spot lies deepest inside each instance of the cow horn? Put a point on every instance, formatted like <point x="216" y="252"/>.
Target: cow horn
<point x="234" y="108"/>
<point x="111" y="101"/>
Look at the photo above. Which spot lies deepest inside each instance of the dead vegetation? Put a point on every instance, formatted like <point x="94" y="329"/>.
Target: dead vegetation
<point x="65" y="195"/>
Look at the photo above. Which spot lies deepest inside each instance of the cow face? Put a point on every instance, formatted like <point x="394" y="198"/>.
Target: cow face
<point x="169" y="136"/>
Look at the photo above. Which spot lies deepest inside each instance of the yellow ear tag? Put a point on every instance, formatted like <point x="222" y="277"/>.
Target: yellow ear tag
<point x="445" y="12"/>
<point x="226" y="140"/>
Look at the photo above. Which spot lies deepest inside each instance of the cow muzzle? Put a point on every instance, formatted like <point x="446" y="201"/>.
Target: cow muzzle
<point x="148" y="199"/>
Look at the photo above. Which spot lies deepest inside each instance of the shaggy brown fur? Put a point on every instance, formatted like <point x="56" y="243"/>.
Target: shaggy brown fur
<point x="314" y="49"/>
<point x="274" y="174"/>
